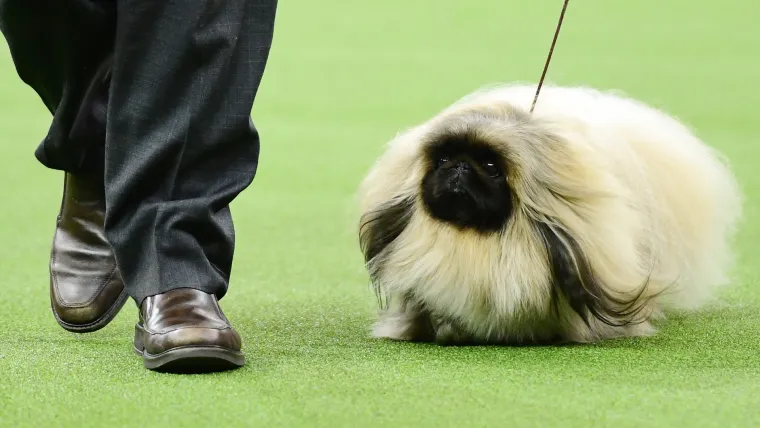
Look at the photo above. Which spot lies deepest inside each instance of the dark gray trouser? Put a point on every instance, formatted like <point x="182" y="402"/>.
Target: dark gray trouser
<point x="156" y="97"/>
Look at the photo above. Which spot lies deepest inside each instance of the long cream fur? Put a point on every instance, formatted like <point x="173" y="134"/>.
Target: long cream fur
<point x="646" y="200"/>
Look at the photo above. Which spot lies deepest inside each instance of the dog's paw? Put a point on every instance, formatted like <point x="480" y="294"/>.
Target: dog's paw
<point x="403" y="327"/>
<point x="448" y="334"/>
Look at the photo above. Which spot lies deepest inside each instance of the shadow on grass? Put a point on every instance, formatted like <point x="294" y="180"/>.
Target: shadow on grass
<point x="332" y="333"/>
<point x="296" y="335"/>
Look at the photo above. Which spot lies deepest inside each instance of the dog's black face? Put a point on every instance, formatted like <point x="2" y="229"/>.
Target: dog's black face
<point x="465" y="185"/>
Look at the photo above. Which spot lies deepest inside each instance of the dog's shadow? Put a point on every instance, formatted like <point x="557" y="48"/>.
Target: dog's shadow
<point x="337" y="335"/>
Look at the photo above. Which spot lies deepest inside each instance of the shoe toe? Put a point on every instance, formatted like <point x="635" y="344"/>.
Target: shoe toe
<point x="184" y="330"/>
<point x="188" y="337"/>
<point x="85" y="312"/>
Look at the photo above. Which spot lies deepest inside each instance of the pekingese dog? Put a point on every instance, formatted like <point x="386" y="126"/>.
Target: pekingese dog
<point x="583" y="221"/>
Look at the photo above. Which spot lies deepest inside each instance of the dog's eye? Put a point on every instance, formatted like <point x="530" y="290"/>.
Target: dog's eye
<point x="491" y="169"/>
<point x="441" y="161"/>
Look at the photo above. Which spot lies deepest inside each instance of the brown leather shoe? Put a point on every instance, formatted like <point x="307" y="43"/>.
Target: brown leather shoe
<point x="184" y="330"/>
<point x="86" y="290"/>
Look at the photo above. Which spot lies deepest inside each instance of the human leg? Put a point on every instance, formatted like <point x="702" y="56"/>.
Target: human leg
<point x="62" y="49"/>
<point x="180" y="146"/>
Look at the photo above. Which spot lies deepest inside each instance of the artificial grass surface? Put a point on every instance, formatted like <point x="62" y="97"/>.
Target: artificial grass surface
<point x="343" y="78"/>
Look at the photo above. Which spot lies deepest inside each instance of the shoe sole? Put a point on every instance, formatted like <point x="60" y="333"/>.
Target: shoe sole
<point x="192" y="359"/>
<point x="96" y="325"/>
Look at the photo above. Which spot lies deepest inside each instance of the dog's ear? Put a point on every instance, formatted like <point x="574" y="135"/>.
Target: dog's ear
<point x="574" y="280"/>
<point x="378" y="228"/>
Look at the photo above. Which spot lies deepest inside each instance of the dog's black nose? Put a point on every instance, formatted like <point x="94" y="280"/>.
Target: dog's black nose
<point x="462" y="165"/>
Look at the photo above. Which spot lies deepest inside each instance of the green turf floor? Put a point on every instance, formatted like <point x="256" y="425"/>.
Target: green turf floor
<point x="343" y="78"/>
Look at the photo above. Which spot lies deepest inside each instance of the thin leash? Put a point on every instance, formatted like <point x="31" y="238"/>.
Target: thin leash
<point x="549" y="58"/>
